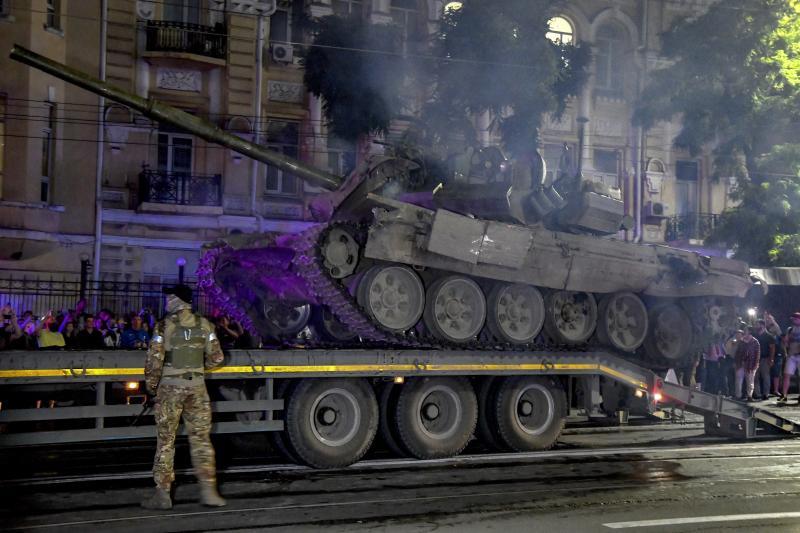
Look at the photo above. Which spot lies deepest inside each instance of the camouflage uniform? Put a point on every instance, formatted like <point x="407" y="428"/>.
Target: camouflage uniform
<point x="183" y="346"/>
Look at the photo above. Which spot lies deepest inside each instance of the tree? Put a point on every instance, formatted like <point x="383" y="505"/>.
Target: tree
<point x="356" y="68"/>
<point x="493" y="55"/>
<point x="734" y="80"/>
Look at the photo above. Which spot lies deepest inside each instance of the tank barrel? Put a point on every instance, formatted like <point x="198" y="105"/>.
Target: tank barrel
<point x="166" y="114"/>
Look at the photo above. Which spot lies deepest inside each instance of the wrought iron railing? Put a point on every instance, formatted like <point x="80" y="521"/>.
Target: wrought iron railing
<point x="170" y="36"/>
<point x="179" y="188"/>
<point x="40" y="293"/>
<point x="697" y="226"/>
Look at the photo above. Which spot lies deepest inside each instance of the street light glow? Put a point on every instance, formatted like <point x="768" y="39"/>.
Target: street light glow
<point x="751" y="311"/>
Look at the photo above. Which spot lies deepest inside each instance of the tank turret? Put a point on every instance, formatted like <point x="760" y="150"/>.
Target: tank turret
<point x="482" y="253"/>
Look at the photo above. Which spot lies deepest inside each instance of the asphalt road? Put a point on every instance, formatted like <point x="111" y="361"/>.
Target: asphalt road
<point x="595" y="481"/>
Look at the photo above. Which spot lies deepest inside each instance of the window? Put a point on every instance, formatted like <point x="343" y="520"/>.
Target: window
<point x="560" y="160"/>
<point x="175" y="153"/>
<point x="341" y="156"/>
<point x="283" y="137"/>
<point x="48" y="151"/>
<point x="5" y="8"/>
<point x="345" y="8"/>
<point x="405" y="14"/>
<point x="2" y="140"/>
<point x="687" y="173"/>
<point x="609" y="44"/>
<point x="606" y="161"/>
<point x="54" y="14"/>
<point x="182" y="11"/>
<point x="560" y="30"/>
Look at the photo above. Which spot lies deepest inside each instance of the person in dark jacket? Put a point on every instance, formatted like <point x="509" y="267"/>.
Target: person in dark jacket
<point x="90" y="338"/>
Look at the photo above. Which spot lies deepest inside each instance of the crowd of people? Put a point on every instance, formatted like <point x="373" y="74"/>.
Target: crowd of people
<point x="76" y="329"/>
<point x="754" y="363"/>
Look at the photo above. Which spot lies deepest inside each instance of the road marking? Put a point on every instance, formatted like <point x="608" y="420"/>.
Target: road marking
<point x="701" y="520"/>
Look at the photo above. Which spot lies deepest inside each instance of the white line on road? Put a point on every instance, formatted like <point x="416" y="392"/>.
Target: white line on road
<point x="701" y="520"/>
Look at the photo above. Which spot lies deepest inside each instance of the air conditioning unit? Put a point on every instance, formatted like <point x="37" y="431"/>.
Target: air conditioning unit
<point x="655" y="210"/>
<point x="282" y="53"/>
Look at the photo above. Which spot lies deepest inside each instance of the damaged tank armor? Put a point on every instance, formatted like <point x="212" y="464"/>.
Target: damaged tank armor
<point x="479" y="250"/>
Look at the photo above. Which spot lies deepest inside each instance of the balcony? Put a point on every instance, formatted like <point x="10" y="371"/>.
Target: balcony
<point x="186" y="38"/>
<point x="696" y="226"/>
<point x="179" y="189"/>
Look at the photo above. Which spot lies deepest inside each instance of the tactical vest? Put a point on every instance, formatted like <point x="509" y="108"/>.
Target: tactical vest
<point x="185" y="354"/>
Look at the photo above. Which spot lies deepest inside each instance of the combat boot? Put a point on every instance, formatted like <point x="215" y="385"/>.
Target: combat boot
<point x="210" y="497"/>
<point x="160" y="500"/>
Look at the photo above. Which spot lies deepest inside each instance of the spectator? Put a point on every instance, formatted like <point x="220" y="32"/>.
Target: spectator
<point x="135" y="337"/>
<point x="47" y="333"/>
<point x="712" y="356"/>
<point x="746" y="361"/>
<point x="90" y="338"/>
<point x="11" y="330"/>
<point x="70" y="335"/>
<point x="111" y="337"/>
<point x="780" y="354"/>
<point x="791" y="344"/>
<point x="227" y="333"/>
<point x="766" y="342"/>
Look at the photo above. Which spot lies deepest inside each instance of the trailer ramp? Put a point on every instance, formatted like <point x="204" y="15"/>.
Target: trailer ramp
<point x="726" y="417"/>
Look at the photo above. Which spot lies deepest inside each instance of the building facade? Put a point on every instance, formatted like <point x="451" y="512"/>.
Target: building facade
<point x="75" y="171"/>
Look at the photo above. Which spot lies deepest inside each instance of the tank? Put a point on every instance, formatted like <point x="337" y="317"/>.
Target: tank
<point x="474" y="251"/>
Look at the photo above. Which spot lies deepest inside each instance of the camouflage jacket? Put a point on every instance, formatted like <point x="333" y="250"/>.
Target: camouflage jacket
<point x="159" y="344"/>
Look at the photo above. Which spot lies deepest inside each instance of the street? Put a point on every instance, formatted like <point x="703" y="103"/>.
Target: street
<point x="653" y="478"/>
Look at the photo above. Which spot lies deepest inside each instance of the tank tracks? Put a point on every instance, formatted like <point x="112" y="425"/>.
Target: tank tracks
<point x="308" y="264"/>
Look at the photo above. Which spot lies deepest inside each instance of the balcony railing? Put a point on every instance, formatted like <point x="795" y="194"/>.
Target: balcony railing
<point x="179" y="188"/>
<point x="697" y="226"/>
<point x="170" y="36"/>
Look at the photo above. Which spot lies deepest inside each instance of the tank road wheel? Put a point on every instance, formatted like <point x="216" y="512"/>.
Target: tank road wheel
<point x="279" y="439"/>
<point x="516" y="313"/>
<point x="486" y="429"/>
<point x="669" y="336"/>
<point x="436" y="416"/>
<point x="622" y="323"/>
<point x="340" y="253"/>
<point x="328" y="327"/>
<point x="455" y="309"/>
<point x="387" y="426"/>
<point x="530" y="412"/>
<point x="393" y="296"/>
<point x="285" y="321"/>
<point x="331" y="422"/>
<point x="570" y="317"/>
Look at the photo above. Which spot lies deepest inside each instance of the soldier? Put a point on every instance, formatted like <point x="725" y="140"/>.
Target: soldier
<point x="182" y="348"/>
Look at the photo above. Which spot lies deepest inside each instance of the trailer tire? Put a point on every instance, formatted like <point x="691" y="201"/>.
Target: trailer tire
<point x="530" y="412"/>
<point x="486" y="429"/>
<point x="436" y="416"/>
<point x="279" y="440"/>
<point x="387" y="425"/>
<point x="331" y="423"/>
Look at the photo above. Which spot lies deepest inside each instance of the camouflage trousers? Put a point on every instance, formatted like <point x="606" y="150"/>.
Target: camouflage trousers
<point x="192" y="402"/>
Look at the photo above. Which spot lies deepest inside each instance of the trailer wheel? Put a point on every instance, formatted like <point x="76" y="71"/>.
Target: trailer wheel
<point x="530" y="412"/>
<point x="436" y="416"/>
<point x="331" y="422"/>
<point x="486" y="430"/>
<point x="387" y="426"/>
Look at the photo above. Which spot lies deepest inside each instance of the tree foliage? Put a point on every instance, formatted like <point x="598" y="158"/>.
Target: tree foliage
<point x="357" y="69"/>
<point x="763" y="228"/>
<point x="734" y="80"/>
<point x="497" y="58"/>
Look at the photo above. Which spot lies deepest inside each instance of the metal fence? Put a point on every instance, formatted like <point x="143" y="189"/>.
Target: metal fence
<point x="57" y="292"/>
<point x="173" y="36"/>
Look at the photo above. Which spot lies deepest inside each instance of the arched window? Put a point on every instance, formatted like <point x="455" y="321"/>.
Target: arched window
<point x="610" y="49"/>
<point x="560" y="31"/>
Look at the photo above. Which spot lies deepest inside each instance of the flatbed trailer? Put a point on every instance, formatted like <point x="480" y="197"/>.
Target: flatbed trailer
<point x="324" y="407"/>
